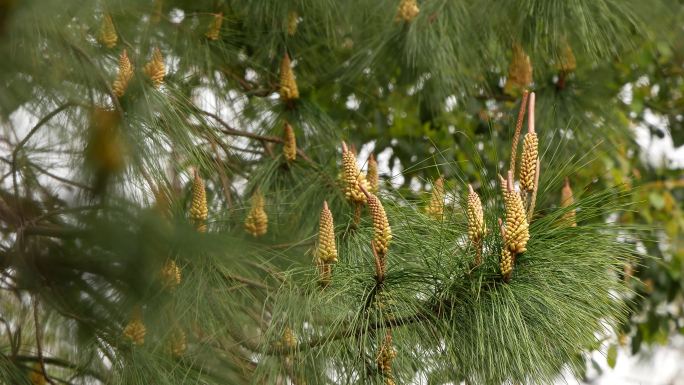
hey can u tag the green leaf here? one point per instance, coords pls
(656, 200)
(612, 356)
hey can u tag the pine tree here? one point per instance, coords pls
(177, 207)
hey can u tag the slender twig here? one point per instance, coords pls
(351, 332)
(63, 364)
(39, 344)
(247, 281)
(229, 130)
(518, 128)
(59, 178)
(38, 125)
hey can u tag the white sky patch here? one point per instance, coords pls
(626, 93)
(353, 103)
(176, 15)
(450, 103)
(658, 152)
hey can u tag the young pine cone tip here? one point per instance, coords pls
(519, 71)
(382, 233)
(354, 180)
(108, 36)
(36, 377)
(123, 76)
(171, 274)
(135, 330)
(567, 200)
(567, 61)
(214, 30)
(290, 143)
(372, 175)
(256, 222)
(288, 84)
(435, 208)
(178, 343)
(327, 251)
(476, 225)
(289, 340)
(407, 11)
(198, 208)
(517, 228)
(292, 21)
(528, 162)
(155, 68)
(385, 357)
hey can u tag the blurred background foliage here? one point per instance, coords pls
(609, 79)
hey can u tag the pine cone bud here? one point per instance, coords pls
(528, 162)
(124, 75)
(214, 30)
(36, 377)
(354, 180)
(517, 228)
(567, 62)
(290, 143)
(519, 71)
(372, 175)
(288, 84)
(256, 222)
(135, 329)
(198, 207)
(385, 357)
(107, 36)
(106, 149)
(408, 10)
(155, 68)
(178, 343)
(157, 12)
(292, 21)
(567, 200)
(382, 233)
(171, 274)
(506, 263)
(327, 251)
(476, 224)
(289, 340)
(435, 208)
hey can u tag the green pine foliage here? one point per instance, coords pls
(86, 235)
